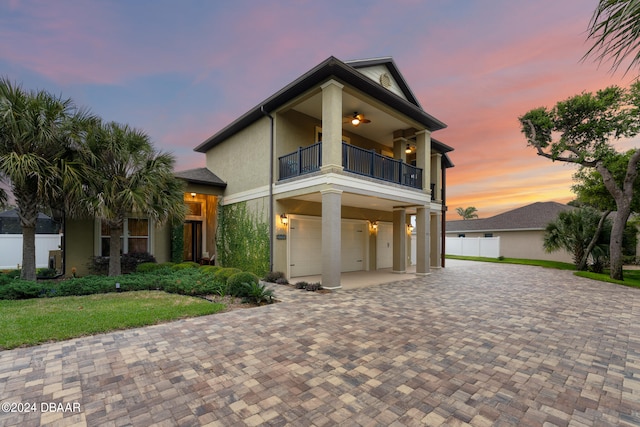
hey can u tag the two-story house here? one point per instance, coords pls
(336, 163)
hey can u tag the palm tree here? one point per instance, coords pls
(615, 27)
(129, 178)
(467, 213)
(38, 132)
(579, 232)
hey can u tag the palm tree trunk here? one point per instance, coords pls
(594, 240)
(115, 248)
(28, 253)
(28, 213)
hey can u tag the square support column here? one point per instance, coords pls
(436, 176)
(436, 241)
(423, 241)
(423, 157)
(399, 148)
(399, 240)
(331, 238)
(331, 126)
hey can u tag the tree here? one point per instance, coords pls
(615, 27)
(467, 213)
(129, 178)
(38, 133)
(581, 130)
(574, 231)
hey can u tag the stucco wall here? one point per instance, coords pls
(79, 240)
(162, 243)
(242, 161)
(523, 244)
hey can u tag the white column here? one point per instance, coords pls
(423, 241)
(436, 238)
(331, 238)
(399, 240)
(331, 126)
(423, 157)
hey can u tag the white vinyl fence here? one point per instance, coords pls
(11, 249)
(473, 246)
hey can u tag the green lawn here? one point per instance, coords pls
(631, 277)
(538, 262)
(35, 321)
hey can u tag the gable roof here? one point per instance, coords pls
(331, 67)
(535, 216)
(201, 176)
(388, 62)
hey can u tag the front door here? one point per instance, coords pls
(192, 241)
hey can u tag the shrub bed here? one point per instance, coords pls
(183, 278)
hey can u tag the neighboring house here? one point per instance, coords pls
(10, 223)
(48, 241)
(521, 230)
(335, 163)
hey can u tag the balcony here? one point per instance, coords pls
(355, 160)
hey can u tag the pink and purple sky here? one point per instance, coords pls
(182, 70)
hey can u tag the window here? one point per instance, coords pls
(488, 234)
(135, 237)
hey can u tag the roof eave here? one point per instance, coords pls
(331, 67)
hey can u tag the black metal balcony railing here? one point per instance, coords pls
(354, 159)
(370, 163)
(305, 160)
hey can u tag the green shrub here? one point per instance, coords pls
(128, 262)
(12, 274)
(235, 283)
(23, 289)
(257, 293)
(147, 267)
(313, 287)
(5, 278)
(223, 274)
(210, 269)
(274, 276)
(185, 265)
(46, 273)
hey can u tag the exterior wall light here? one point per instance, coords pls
(284, 219)
(410, 228)
(193, 195)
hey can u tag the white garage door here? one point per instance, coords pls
(305, 246)
(353, 246)
(384, 246)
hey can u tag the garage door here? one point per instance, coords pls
(305, 246)
(384, 246)
(353, 246)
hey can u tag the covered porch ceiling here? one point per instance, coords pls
(380, 129)
(361, 201)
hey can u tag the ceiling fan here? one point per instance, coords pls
(356, 119)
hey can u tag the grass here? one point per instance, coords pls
(40, 320)
(631, 277)
(538, 262)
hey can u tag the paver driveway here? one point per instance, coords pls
(474, 344)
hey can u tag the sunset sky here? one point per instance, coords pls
(182, 70)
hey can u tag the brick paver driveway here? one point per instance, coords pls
(474, 344)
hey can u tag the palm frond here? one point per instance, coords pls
(615, 29)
